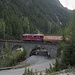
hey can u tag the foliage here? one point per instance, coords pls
(22, 16)
(71, 46)
(60, 49)
(54, 68)
(14, 57)
(26, 25)
(2, 29)
(72, 27)
(5, 50)
(28, 72)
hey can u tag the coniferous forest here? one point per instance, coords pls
(30, 16)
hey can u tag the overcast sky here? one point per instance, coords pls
(70, 4)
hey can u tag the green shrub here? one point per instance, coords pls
(28, 72)
(14, 57)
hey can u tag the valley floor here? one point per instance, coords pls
(38, 63)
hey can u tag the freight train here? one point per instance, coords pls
(42, 37)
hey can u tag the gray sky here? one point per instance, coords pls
(70, 4)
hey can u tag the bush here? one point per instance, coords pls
(13, 57)
(28, 72)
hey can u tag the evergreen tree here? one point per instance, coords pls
(68, 49)
(71, 29)
(26, 25)
(19, 29)
(2, 29)
(73, 54)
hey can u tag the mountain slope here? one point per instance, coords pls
(31, 16)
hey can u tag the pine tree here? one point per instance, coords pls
(6, 49)
(26, 25)
(2, 29)
(72, 27)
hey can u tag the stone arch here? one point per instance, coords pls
(38, 51)
(16, 46)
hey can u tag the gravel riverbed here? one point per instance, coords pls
(39, 63)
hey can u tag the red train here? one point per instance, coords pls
(42, 37)
(33, 37)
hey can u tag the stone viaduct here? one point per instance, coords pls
(50, 47)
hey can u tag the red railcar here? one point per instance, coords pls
(33, 37)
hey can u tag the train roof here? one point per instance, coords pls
(52, 35)
(33, 34)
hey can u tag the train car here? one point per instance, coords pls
(53, 38)
(33, 37)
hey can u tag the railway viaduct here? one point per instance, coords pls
(50, 47)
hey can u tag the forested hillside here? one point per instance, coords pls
(30, 16)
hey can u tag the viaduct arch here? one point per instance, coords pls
(50, 47)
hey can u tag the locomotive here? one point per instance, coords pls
(33, 37)
(42, 37)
